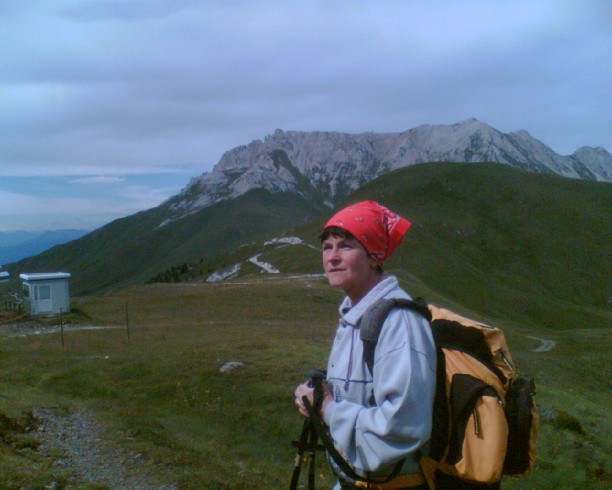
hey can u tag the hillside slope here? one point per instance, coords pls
(499, 239)
(494, 239)
(135, 248)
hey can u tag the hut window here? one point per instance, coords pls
(44, 292)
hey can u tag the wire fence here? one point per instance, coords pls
(13, 303)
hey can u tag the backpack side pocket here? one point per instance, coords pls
(479, 433)
(522, 416)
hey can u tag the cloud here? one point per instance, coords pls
(44, 203)
(115, 88)
(31, 213)
(124, 10)
(96, 180)
(146, 197)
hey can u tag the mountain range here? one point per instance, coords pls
(327, 166)
(262, 190)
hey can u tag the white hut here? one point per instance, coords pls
(46, 293)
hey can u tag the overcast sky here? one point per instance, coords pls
(109, 107)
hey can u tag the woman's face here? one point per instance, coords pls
(349, 267)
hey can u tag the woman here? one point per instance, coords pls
(392, 432)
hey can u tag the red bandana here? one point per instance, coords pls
(378, 229)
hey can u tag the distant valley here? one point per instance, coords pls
(18, 245)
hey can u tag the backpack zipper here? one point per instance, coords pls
(505, 360)
(476, 422)
(477, 418)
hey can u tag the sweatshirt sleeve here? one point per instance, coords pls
(371, 438)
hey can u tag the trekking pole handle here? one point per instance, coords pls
(316, 381)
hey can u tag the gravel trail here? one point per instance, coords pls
(89, 454)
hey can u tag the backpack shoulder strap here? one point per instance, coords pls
(372, 320)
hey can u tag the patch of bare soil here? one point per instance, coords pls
(25, 328)
(82, 448)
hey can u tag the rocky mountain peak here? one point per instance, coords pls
(326, 166)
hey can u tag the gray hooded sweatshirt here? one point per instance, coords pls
(375, 438)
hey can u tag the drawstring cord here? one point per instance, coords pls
(350, 365)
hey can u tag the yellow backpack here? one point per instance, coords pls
(484, 418)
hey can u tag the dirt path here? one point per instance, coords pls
(78, 444)
(24, 329)
(89, 453)
(545, 345)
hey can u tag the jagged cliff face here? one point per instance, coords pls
(327, 166)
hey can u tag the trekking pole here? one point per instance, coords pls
(301, 445)
(317, 383)
(309, 436)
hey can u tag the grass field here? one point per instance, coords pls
(203, 428)
(161, 394)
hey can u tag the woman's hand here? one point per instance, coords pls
(305, 389)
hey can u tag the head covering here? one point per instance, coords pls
(377, 228)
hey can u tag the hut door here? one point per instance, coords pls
(42, 295)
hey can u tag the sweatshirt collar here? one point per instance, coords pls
(351, 314)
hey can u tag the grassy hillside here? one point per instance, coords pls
(135, 248)
(501, 241)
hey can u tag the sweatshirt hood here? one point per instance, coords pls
(351, 314)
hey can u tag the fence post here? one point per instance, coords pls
(127, 322)
(62, 324)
